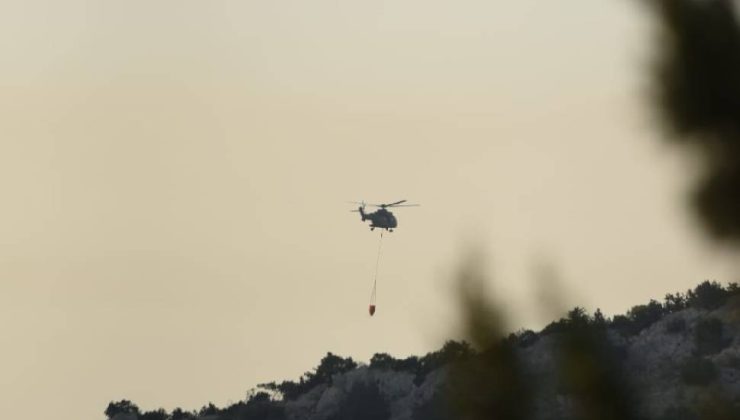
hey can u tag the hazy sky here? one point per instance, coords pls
(174, 177)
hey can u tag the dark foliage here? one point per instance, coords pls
(121, 407)
(590, 370)
(492, 383)
(599, 321)
(258, 407)
(523, 338)
(451, 352)
(435, 408)
(708, 337)
(698, 371)
(713, 409)
(638, 318)
(179, 414)
(674, 303)
(716, 408)
(208, 410)
(643, 316)
(384, 361)
(679, 413)
(159, 414)
(363, 402)
(708, 295)
(622, 324)
(330, 365)
(262, 407)
(734, 362)
(676, 326)
(698, 79)
(576, 318)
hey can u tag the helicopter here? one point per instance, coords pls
(381, 218)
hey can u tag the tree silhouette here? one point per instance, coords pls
(179, 414)
(121, 407)
(159, 414)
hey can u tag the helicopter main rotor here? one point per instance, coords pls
(383, 206)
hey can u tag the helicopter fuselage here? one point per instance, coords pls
(381, 218)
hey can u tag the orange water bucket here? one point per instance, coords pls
(371, 309)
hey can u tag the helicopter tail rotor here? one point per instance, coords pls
(360, 209)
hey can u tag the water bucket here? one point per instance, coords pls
(371, 309)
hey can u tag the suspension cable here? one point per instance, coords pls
(374, 293)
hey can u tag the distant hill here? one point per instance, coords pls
(675, 359)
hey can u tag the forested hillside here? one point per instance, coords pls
(675, 359)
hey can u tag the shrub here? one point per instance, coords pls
(363, 402)
(734, 362)
(708, 337)
(675, 326)
(435, 408)
(698, 371)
